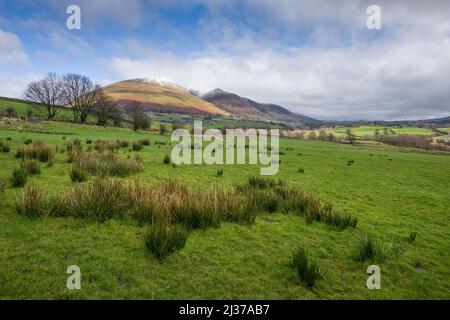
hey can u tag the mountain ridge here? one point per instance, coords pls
(246, 108)
(159, 96)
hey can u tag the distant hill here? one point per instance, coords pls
(160, 97)
(438, 122)
(248, 109)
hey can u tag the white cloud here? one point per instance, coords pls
(395, 79)
(11, 49)
(13, 87)
(63, 39)
(315, 57)
(339, 70)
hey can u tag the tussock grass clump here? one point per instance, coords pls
(77, 142)
(136, 146)
(19, 177)
(101, 200)
(6, 147)
(144, 142)
(167, 159)
(105, 163)
(340, 220)
(308, 270)
(266, 200)
(167, 202)
(37, 150)
(109, 145)
(27, 141)
(172, 202)
(220, 172)
(31, 202)
(272, 195)
(412, 236)
(3, 185)
(73, 151)
(78, 174)
(164, 239)
(31, 166)
(263, 183)
(367, 248)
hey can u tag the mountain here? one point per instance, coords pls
(248, 109)
(159, 96)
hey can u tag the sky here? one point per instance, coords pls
(313, 57)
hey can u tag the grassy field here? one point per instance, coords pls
(38, 111)
(392, 191)
(362, 131)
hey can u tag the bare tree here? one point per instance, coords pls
(81, 94)
(48, 92)
(138, 117)
(106, 108)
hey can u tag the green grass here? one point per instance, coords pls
(236, 261)
(362, 131)
(39, 112)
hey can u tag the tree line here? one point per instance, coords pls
(73, 91)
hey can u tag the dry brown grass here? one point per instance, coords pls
(37, 150)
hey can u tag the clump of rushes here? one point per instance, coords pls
(27, 141)
(105, 163)
(123, 143)
(3, 184)
(266, 200)
(301, 170)
(272, 195)
(145, 142)
(164, 239)
(412, 236)
(78, 174)
(194, 209)
(101, 200)
(19, 177)
(136, 146)
(263, 183)
(110, 145)
(31, 166)
(167, 159)
(368, 248)
(31, 202)
(308, 271)
(220, 172)
(37, 150)
(6, 147)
